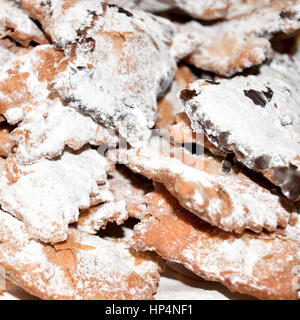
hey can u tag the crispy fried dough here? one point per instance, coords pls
(119, 61)
(216, 49)
(48, 128)
(229, 200)
(47, 195)
(263, 265)
(25, 79)
(131, 188)
(15, 24)
(230, 46)
(255, 117)
(84, 267)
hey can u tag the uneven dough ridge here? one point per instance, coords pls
(262, 265)
(255, 117)
(84, 267)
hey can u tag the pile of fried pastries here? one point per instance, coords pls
(182, 116)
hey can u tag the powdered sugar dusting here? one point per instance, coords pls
(121, 63)
(93, 268)
(234, 101)
(44, 132)
(131, 188)
(217, 49)
(15, 23)
(48, 194)
(96, 218)
(28, 77)
(261, 265)
(232, 202)
(230, 46)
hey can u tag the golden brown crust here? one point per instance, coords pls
(261, 265)
(225, 198)
(18, 26)
(83, 267)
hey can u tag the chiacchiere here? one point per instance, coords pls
(178, 115)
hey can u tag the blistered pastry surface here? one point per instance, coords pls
(262, 265)
(119, 62)
(16, 24)
(83, 267)
(231, 201)
(48, 194)
(245, 115)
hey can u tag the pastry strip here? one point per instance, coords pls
(262, 265)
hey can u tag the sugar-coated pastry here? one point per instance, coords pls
(262, 265)
(48, 194)
(256, 118)
(84, 267)
(225, 198)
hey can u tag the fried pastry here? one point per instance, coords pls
(48, 128)
(220, 50)
(95, 218)
(47, 195)
(225, 198)
(206, 10)
(119, 61)
(200, 9)
(172, 122)
(82, 85)
(228, 47)
(14, 23)
(24, 81)
(9, 49)
(229, 9)
(262, 265)
(130, 188)
(255, 117)
(83, 267)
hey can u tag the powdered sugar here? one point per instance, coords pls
(232, 104)
(94, 268)
(209, 9)
(48, 194)
(5, 54)
(121, 64)
(17, 25)
(261, 265)
(27, 77)
(96, 218)
(219, 49)
(228, 47)
(269, 19)
(232, 202)
(131, 188)
(46, 130)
